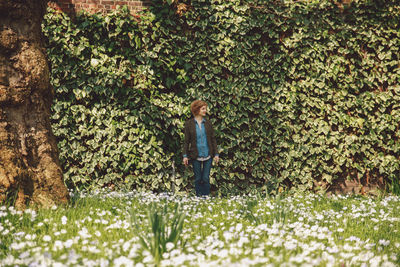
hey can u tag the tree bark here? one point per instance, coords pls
(30, 171)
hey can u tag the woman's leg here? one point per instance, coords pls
(197, 176)
(206, 176)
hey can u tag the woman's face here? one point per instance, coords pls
(203, 111)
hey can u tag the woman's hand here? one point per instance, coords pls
(216, 159)
(186, 161)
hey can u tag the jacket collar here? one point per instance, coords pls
(204, 120)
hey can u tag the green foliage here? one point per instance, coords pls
(278, 214)
(115, 123)
(299, 91)
(394, 186)
(163, 229)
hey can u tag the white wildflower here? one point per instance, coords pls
(64, 220)
(68, 243)
(18, 246)
(290, 245)
(126, 246)
(223, 253)
(227, 235)
(84, 233)
(24, 255)
(384, 242)
(170, 246)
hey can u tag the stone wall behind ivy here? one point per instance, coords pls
(73, 7)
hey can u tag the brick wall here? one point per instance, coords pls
(97, 6)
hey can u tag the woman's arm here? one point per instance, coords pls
(186, 145)
(214, 144)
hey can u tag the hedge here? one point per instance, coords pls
(303, 94)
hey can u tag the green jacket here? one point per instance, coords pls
(190, 146)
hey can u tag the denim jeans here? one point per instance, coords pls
(201, 171)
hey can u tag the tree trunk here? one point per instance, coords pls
(30, 171)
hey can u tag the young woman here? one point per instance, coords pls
(200, 147)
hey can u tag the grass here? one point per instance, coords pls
(164, 235)
(126, 229)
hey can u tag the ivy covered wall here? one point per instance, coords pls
(302, 94)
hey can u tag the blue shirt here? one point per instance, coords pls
(201, 140)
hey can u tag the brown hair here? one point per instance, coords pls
(196, 106)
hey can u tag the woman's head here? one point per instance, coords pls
(197, 106)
